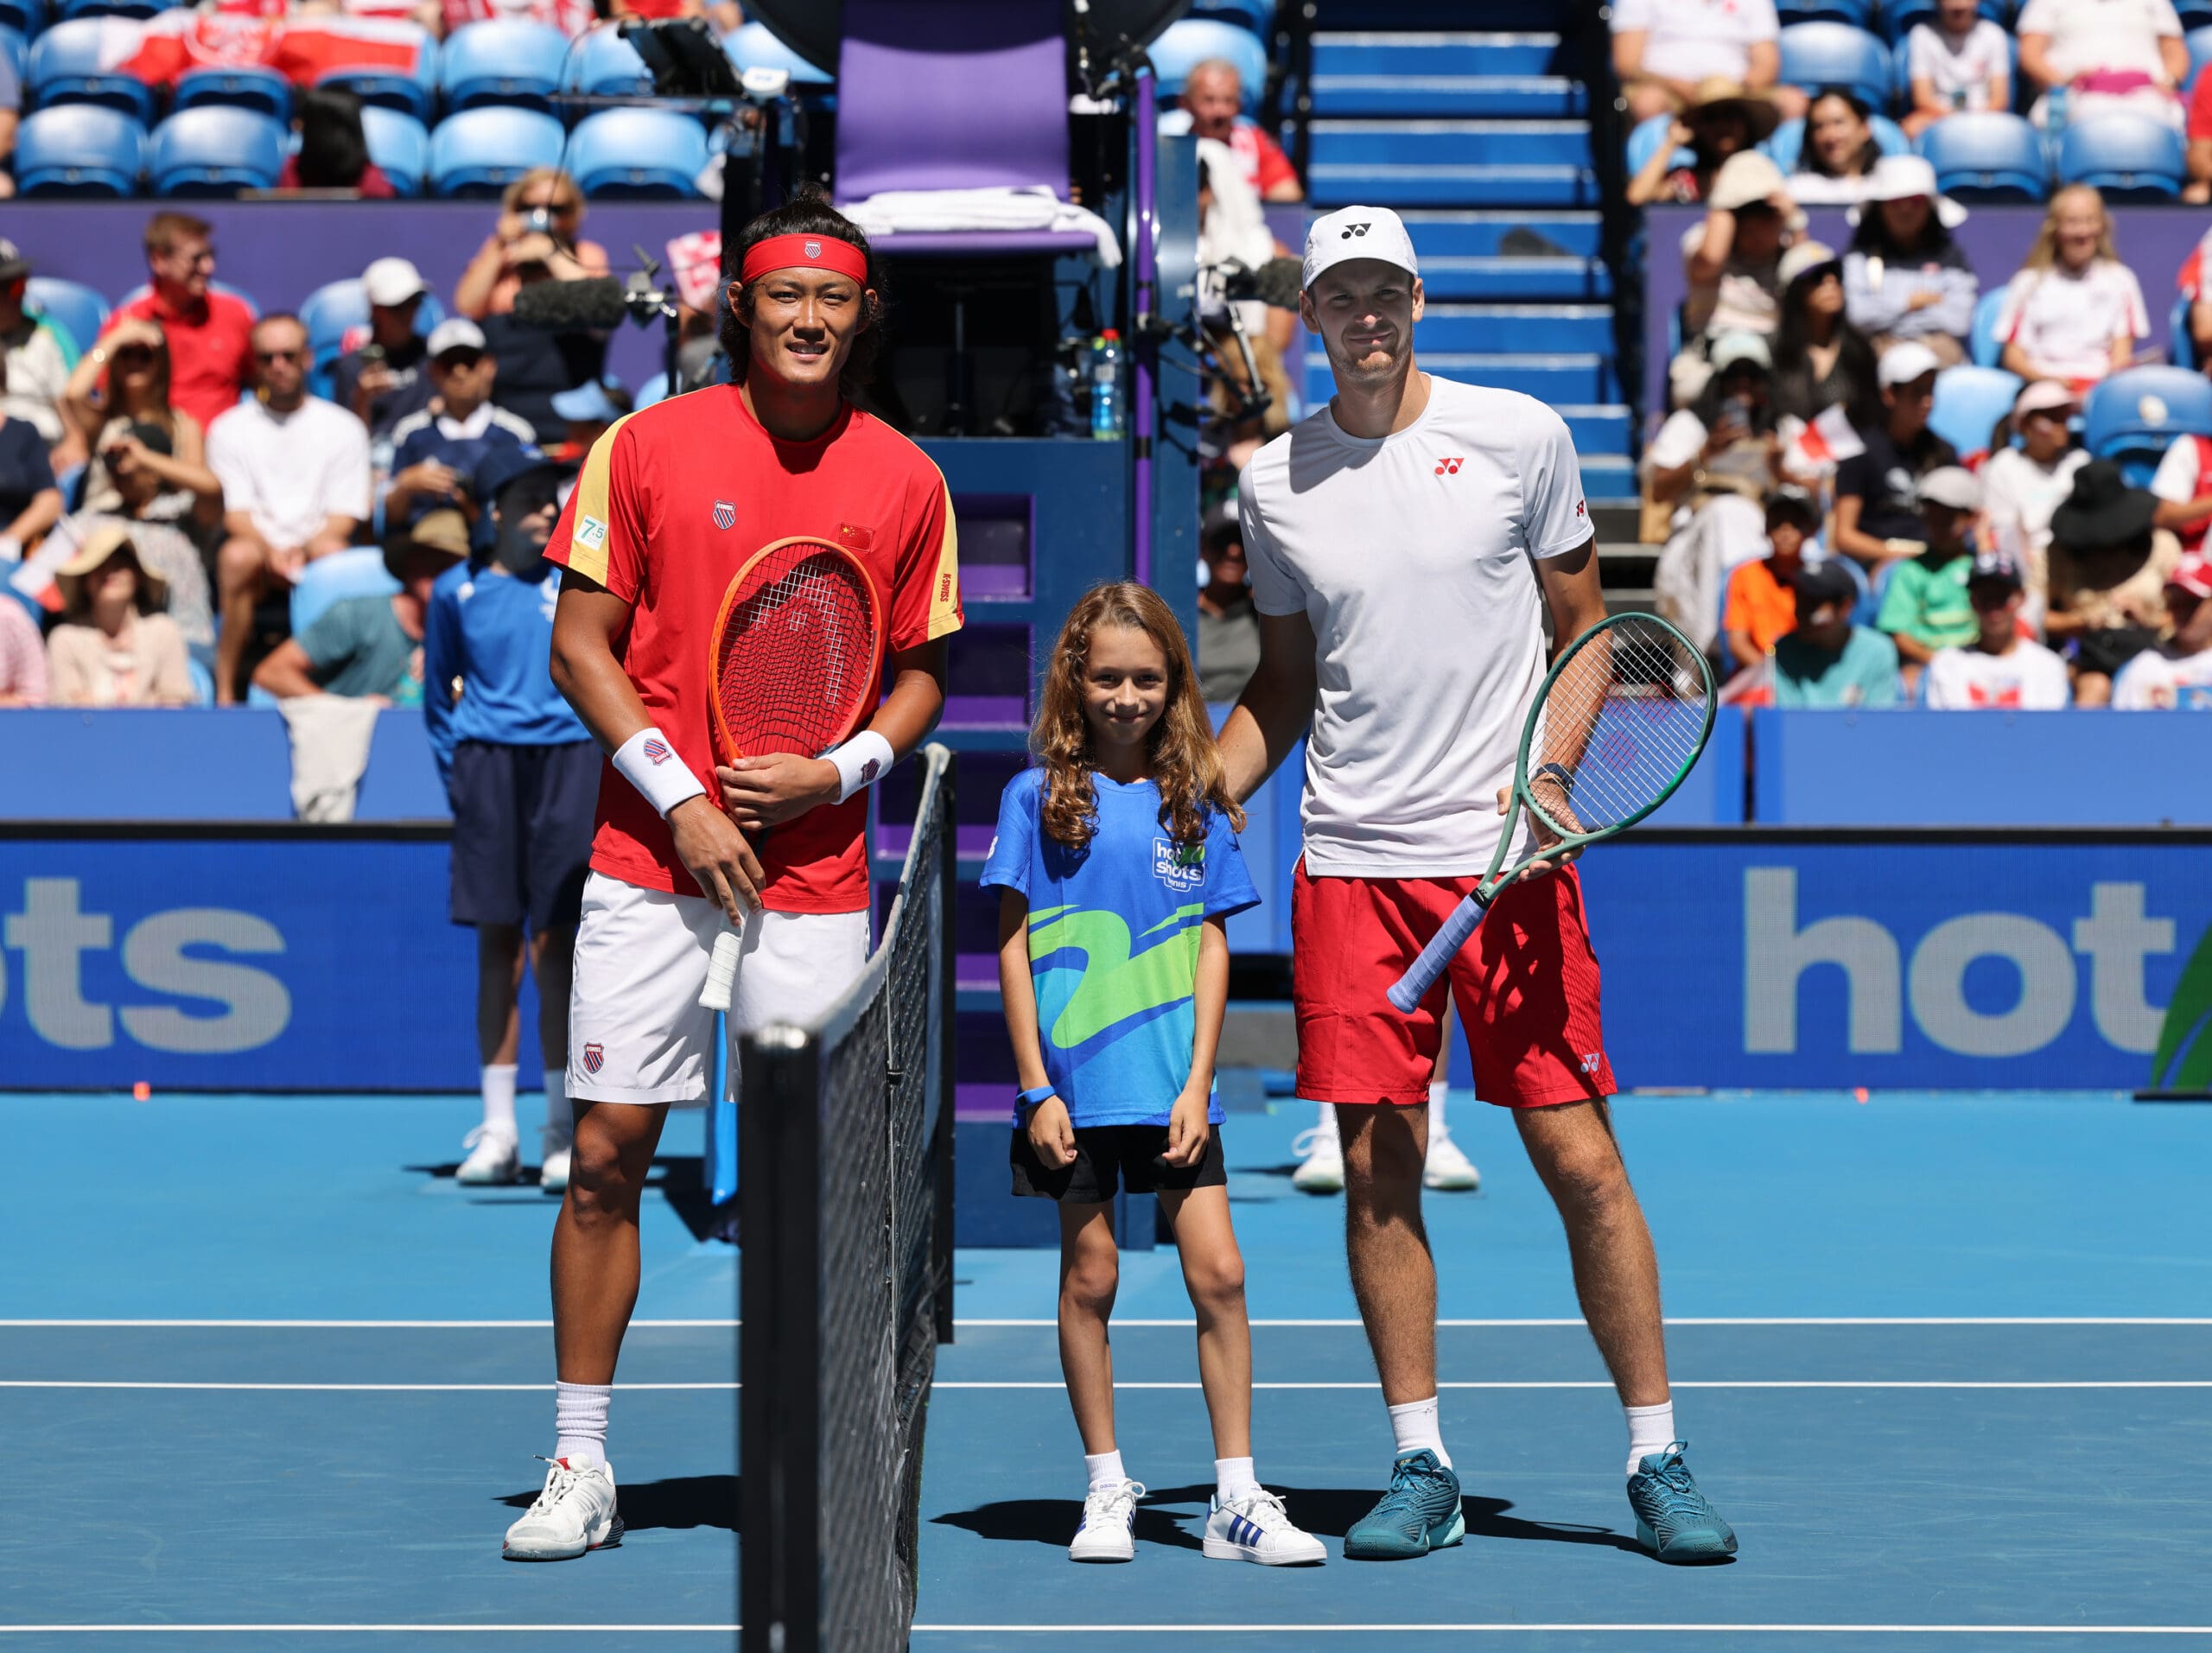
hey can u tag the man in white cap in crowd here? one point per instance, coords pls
(383, 379)
(2000, 669)
(1878, 491)
(1404, 544)
(435, 451)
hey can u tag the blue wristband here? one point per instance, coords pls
(1030, 1098)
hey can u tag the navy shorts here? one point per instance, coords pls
(1107, 1156)
(522, 831)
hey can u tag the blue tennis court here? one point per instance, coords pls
(273, 1379)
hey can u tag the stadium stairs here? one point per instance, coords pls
(1483, 140)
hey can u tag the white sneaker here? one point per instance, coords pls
(1448, 1168)
(1258, 1528)
(1320, 1162)
(494, 1155)
(553, 1175)
(574, 1513)
(1108, 1530)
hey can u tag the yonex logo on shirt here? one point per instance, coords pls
(1448, 467)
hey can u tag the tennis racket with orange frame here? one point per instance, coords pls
(796, 665)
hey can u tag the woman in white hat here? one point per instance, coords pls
(1904, 276)
(1732, 260)
(114, 647)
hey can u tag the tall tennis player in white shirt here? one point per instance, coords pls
(1401, 541)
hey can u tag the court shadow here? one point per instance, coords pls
(525, 1183)
(680, 1501)
(682, 1183)
(1053, 1521)
(1330, 1511)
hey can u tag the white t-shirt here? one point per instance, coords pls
(2067, 322)
(2179, 478)
(292, 471)
(1410, 555)
(1961, 77)
(1689, 40)
(2088, 35)
(2151, 682)
(2020, 494)
(2029, 679)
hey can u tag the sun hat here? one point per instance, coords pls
(2103, 513)
(97, 547)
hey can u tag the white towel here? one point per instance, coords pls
(1030, 207)
(330, 753)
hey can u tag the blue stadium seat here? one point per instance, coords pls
(1987, 158)
(753, 46)
(26, 17)
(64, 68)
(2134, 416)
(638, 154)
(328, 579)
(262, 90)
(604, 65)
(75, 305)
(1190, 42)
(2181, 344)
(1258, 16)
(2127, 157)
(215, 150)
(1786, 143)
(2200, 52)
(2193, 14)
(336, 314)
(114, 8)
(518, 64)
(1898, 16)
(479, 152)
(1982, 343)
(400, 145)
(79, 149)
(1836, 55)
(413, 93)
(1859, 14)
(1647, 137)
(1969, 401)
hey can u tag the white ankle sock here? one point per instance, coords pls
(560, 1118)
(1650, 1429)
(1104, 1469)
(1415, 1426)
(580, 1420)
(498, 1083)
(1326, 1124)
(1232, 1480)
(1438, 1090)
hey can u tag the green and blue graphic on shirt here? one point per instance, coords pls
(1114, 944)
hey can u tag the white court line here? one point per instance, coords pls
(358, 1325)
(372, 1629)
(344, 1388)
(528, 1325)
(1055, 1386)
(1635, 1630)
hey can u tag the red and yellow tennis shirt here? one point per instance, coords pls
(672, 501)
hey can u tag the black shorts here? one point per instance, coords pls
(522, 831)
(1103, 1153)
(2106, 651)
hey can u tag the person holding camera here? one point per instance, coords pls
(536, 239)
(115, 391)
(386, 380)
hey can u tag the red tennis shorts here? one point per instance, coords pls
(1526, 986)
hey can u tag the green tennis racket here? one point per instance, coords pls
(1618, 721)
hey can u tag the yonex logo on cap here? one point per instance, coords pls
(1353, 229)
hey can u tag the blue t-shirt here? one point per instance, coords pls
(1114, 944)
(493, 632)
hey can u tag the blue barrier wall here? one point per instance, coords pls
(321, 959)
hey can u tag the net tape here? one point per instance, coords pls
(1624, 717)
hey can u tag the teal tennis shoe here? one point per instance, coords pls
(1672, 1520)
(1419, 1513)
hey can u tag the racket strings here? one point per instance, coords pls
(796, 653)
(1625, 715)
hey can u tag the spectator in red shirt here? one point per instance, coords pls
(209, 334)
(1213, 93)
(334, 151)
(2198, 190)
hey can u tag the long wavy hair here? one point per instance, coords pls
(1186, 763)
(2043, 255)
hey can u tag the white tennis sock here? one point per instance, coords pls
(1650, 1429)
(1438, 1090)
(1326, 1124)
(1415, 1426)
(1104, 1469)
(1232, 1480)
(560, 1118)
(498, 1083)
(580, 1420)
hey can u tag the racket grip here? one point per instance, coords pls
(721, 972)
(1435, 958)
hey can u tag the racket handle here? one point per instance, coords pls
(721, 972)
(1435, 958)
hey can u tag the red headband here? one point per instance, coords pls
(814, 252)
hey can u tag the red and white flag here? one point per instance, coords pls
(1829, 440)
(163, 50)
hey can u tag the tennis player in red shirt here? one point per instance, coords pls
(670, 504)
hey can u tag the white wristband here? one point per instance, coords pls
(649, 763)
(861, 762)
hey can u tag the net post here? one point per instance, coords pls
(779, 1417)
(942, 1144)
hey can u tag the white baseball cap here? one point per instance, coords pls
(455, 333)
(1357, 232)
(1952, 485)
(390, 282)
(1901, 364)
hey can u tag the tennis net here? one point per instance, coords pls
(846, 1276)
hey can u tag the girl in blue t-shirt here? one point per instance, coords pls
(1116, 863)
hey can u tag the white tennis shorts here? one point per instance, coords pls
(636, 1031)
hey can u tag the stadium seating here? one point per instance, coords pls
(2127, 157)
(332, 579)
(17, 54)
(263, 89)
(415, 93)
(1258, 16)
(604, 65)
(1969, 401)
(26, 17)
(1836, 55)
(114, 8)
(1898, 17)
(1787, 145)
(1987, 157)
(638, 154)
(1190, 42)
(75, 305)
(753, 46)
(64, 68)
(1646, 136)
(2181, 344)
(400, 145)
(478, 152)
(215, 150)
(519, 64)
(2134, 416)
(79, 149)
(1857, 13)
(1982, 344)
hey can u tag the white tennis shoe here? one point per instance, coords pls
(1320, 1161)
(573, 1514)
(555, 1147)
(1108, 1530)
(1258, 1528)
(494, 1155)
(1446, 1167)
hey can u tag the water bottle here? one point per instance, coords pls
(1108, 417)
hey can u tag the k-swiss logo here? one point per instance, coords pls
(657, 750)
(1351, 230)
(869, 771)
(593, 1058)
(1449, 467)
(725, 515)
(814, 249)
